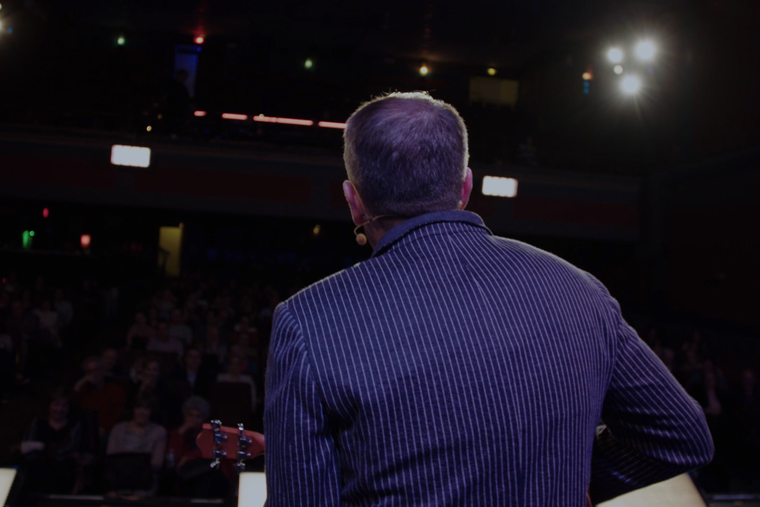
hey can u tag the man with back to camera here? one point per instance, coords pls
(455, 367)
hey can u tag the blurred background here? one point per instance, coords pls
(171, 171)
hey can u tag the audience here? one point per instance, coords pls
(163, 342)
(51, 449)
(193, 370)
(140, 436)
(95, 392)
(235, 374)
(140, 333)
(178, 330)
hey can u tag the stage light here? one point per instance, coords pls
(130, 156)
(645, 50)
(630, 85)
(85, 240)
(31, 234)
(121, 40)
(287, 121)
(148, 128)
(615, 55)
(45, 212)
(26, 240)
(491, 71)
(618, 69)
(200, 39)
(332, 125)
(1, 7)
(424, 70)
(199, 113)
(308, 63)
(316, 230)
(234, 116)
(587, 76)
(499, 187)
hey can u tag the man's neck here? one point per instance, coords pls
(377, 229)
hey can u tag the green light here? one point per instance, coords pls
(31, 234)
(308, 63)
(121, 40)
(26, 240)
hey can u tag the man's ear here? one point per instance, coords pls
(466, 189)
(358, 213)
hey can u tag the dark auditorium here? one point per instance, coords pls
(375, 254)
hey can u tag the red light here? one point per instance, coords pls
(199, 113)
(332, 125)
(293, 121)
(45, 213)
(286, 121)
(200, 39)
(233, 116)
(85, 240)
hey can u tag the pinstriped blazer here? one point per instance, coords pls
(457, 368)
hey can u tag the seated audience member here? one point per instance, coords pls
(195, 478)
(110, 359)
(248, 356)
(192, 370)
(7, 364)
(235, 374)
(63, 307)
(47, 318)
(214, 344)
(140, 333)
(51, 448)
(95, 392)
(151, 383)
(140, 436)
(244, 332)
(162, 342)
(178, 329)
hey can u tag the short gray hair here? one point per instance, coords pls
(406, 153)
(197, 403)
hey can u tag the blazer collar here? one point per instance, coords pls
(398, 233)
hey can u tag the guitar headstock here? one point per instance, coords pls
(219, 442)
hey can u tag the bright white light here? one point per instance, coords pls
(253, 489)
(6, 481)
(423, 70)
(615, 55)
(131, 156)
(645, 50)
(618, 69)
(308, 63)
(500, 187)
(630, 85)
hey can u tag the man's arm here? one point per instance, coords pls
(302, 466)
(654, 430)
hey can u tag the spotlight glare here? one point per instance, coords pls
(618, 69)
(491, 71)
(630, 85)
(308, 63)
(200, 39)
(148, 128)
(121, 40)
(615, 55)
(587, 76)
(645, 50)
(423, 70)
(499, 187)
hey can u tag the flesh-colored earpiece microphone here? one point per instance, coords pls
(361, 238)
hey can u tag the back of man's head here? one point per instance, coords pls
(406, 153)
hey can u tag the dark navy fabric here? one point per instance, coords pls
(458, 368)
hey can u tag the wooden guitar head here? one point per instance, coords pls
(219, 442)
